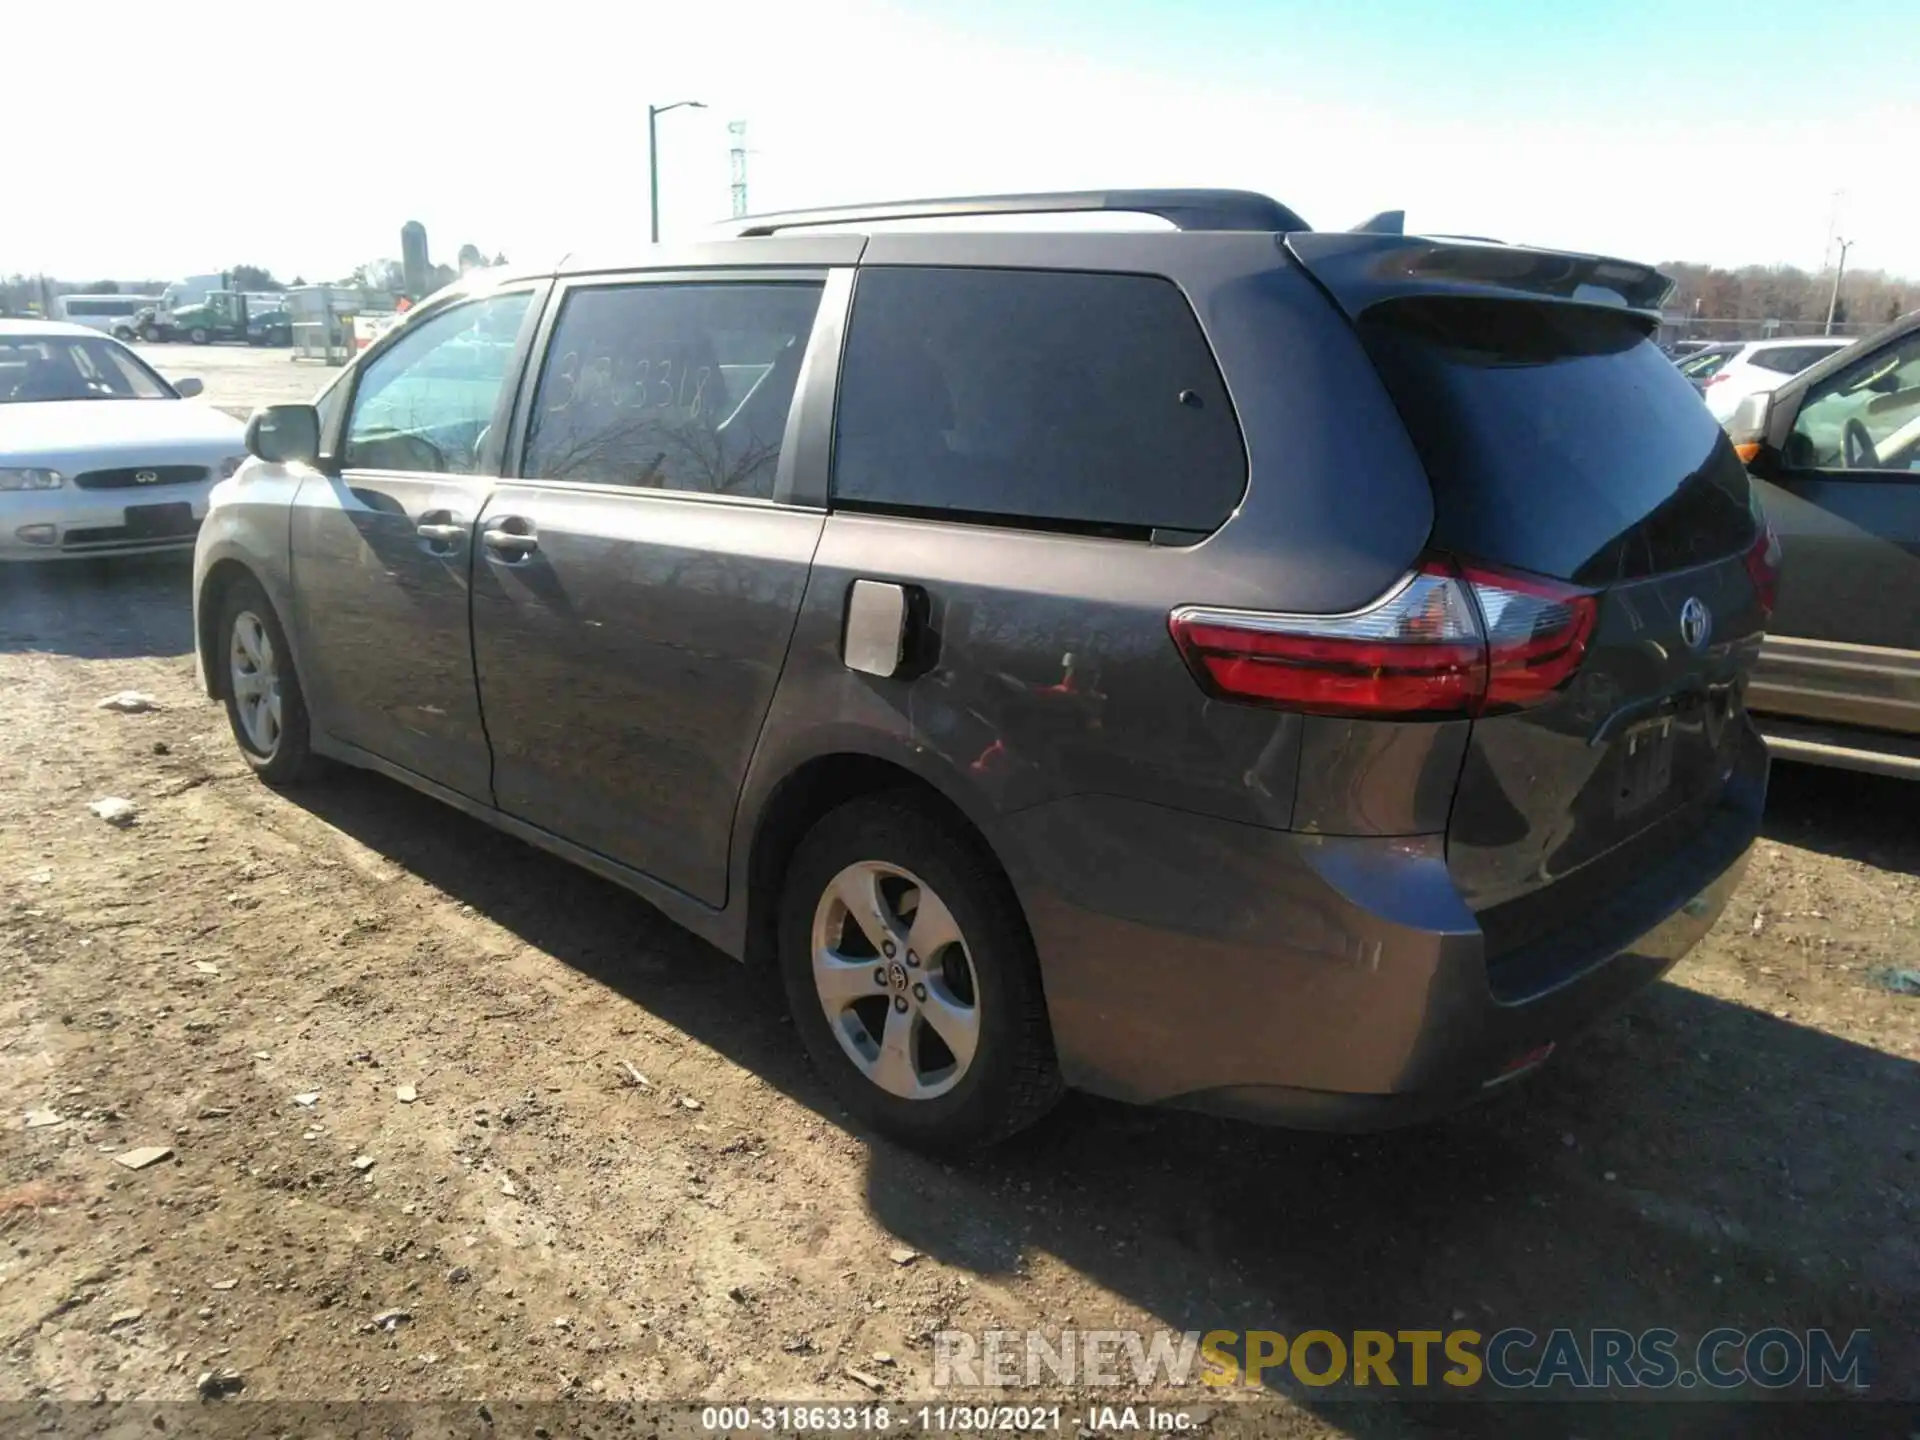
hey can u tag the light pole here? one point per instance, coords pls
(1833, 301)
(654, 112)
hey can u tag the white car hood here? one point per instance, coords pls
(64, 433)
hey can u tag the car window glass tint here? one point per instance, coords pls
(1790, 359)
(1088, 400)
(1867, 417)
(676, 387)
(427, 403)
(1559, 440)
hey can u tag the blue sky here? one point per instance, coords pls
(1677, 131)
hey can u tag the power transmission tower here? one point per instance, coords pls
(737, 164)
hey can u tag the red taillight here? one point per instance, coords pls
(1537, 633)
(1446, 641)
(1763, 566)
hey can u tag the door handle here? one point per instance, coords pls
(511, 538)
(440, 532)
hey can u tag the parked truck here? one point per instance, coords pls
(224, 315)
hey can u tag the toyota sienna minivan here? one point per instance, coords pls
(1288, 674)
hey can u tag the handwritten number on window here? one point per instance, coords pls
(649, 384)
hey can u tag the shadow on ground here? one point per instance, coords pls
(98, 609)
(1867, 818)
(1690, 1164)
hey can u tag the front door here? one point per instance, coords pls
(382, 547)
(1846, 503)
(634, 594)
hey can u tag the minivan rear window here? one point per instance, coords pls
(1559, 439)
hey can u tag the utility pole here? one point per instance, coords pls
(654, 112)
(1833, 301)
(737, 165)
(1833, 223)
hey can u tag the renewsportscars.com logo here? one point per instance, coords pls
(1562, 1361)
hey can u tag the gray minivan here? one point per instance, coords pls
(1294, 675)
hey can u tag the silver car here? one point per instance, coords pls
(98, 454)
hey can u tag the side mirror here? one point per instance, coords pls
(285, 435)
(188, 386)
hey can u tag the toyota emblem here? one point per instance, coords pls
(146, 477)
(1696, 623)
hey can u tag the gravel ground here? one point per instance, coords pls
(239, 378)
(393, 1056)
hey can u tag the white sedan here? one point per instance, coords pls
(98, 454)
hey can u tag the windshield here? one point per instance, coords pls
(71, 367)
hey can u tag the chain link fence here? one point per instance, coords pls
(1727, 331)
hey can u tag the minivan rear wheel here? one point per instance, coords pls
(911, 977)
(265, 706)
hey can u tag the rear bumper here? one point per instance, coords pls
(1325, 982)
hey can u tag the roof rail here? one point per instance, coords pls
(1185, 209)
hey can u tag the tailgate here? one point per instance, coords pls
(1561, 443)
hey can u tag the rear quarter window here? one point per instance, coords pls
(1790, 359)
(1056, 399)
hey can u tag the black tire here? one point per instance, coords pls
(1013, 1078)
(198, 337)
(290, 759)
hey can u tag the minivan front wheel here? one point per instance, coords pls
(911, 977)
(265, 706)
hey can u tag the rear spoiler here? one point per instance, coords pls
(1363, 270)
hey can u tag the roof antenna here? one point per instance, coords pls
(1387, 222)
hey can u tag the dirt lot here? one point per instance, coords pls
(240, 377)
(261, 981)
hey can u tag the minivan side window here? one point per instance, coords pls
(1867, 417)
(671, 386)
(1057, 399)
(426, 403)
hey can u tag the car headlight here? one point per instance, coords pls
(30, 479)
(231, 464)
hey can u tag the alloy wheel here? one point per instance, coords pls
(895, 978)
(255, 675)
